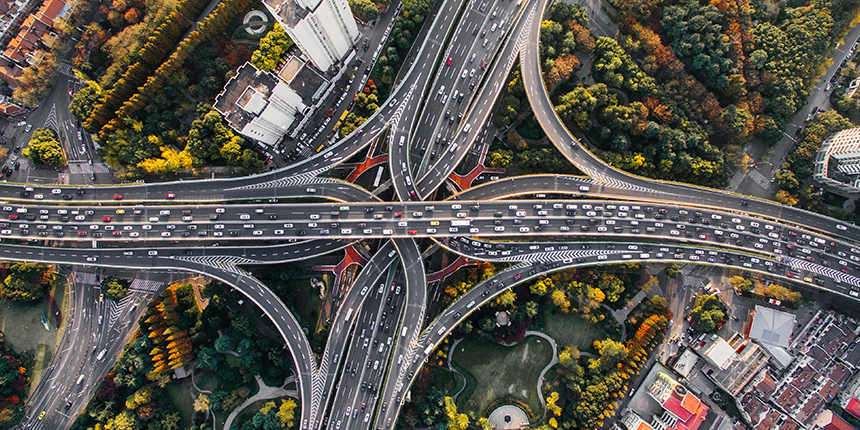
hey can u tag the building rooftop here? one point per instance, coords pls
(308, 82)
(771, 326)
(718, 352)
(827, 420)
(853, 407)
(236, 95)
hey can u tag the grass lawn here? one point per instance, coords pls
(181, 398)
(502, 371)
(23, 329)
(573, 330)
(253, 408)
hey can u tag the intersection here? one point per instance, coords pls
(607, 217)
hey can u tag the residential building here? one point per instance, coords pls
(263, 106)
(324, 30)
(681, 410)
(837, 163)
(827, 420)
(732, 364)
(35, 34)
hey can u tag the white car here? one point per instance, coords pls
(499, 228)
(258, 232)
(313, 216)
(134, 234)
(56, 191)
(219, 210)
(38, 196)
(165, 234)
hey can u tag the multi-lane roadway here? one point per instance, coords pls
(377, 343)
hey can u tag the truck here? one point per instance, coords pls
(80, 379)
(101, 354)
(348, 314)
(461, 223)
(428, 349)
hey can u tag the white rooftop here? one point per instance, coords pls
(772, 327)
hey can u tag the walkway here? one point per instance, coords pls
(552, 362)
(266, 392)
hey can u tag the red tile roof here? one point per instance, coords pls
(853, 407)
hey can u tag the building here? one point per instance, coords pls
(837, 163)
(262, 106)
(827, 420)
(771, 326)
(732, 364)
(681, 410)
(34, 35)
(324, 30)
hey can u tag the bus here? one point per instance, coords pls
(343, 115)
(348, 314)
(461, 223)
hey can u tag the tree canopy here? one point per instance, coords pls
(44, 148)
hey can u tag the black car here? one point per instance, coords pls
(67, 196)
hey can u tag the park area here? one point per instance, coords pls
(496, 372)
(573, 330)
(21, 325)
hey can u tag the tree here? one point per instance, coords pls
(44, 148)
(85, 100)
(456, 421)
(560, 300)
(28, 282)
(364, 10)
(286, 413)
(541, 287)
(500, 159)
(115, 288)
(551, 403)
(707, 313)
(506, 299)
(740, 283)
(611, 353)
(273, 46)
(201, 403)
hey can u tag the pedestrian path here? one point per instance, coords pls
(145, 285)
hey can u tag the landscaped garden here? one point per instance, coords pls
(502, 372)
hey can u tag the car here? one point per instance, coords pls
(413, 232)
(134, 234)
(106, 219)
(117, 196)
(484, 65)
(80, 192)
(28, 128)
(56, 191)
(42, 415)
(170, 196)
(518, 276)
(448, 63)
(38, 196)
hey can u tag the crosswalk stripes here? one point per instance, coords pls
(66, 69)
(735, 181)
(760, 179)
(145, 285)
(621, 185)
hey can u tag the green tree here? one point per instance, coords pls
(44, 148)
(707, 313)
(364, 10)
(85, 100)
(115, 288)
(273, 46)
(741, 284)
(500, 159)
(456, 421)
(27, 282)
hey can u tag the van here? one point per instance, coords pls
(403, 332)
(402, 140)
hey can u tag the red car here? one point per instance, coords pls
(413, 232)
(170, 195)
(117, 196)
(398, 214)
(82, 233)
(448, 63)
(13, 217)
(105, 219)
(484, 66)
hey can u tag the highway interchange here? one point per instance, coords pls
(377, 343)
